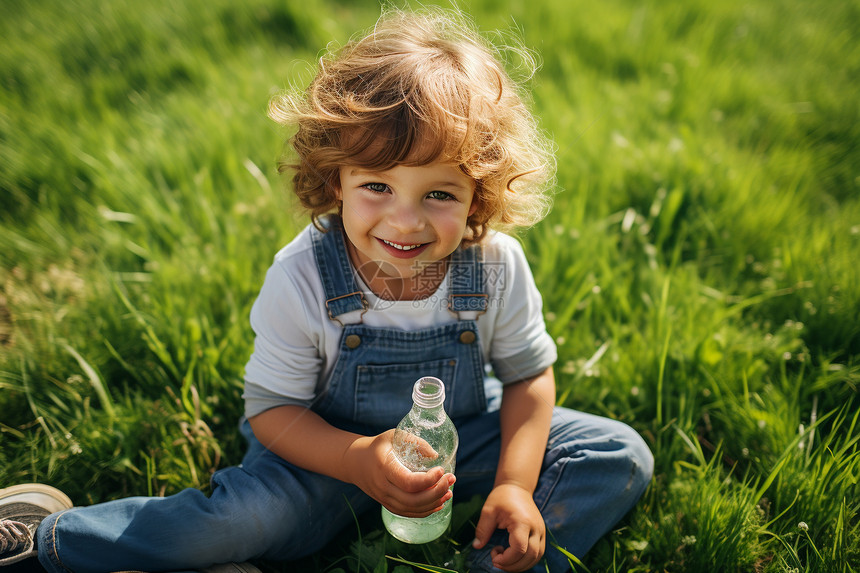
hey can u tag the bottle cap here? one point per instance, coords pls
(428, 392)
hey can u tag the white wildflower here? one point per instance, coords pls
(675, 145)
(619, 140)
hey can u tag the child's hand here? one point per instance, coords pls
(380, 475)
(511, 507)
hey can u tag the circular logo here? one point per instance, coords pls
(383, 280)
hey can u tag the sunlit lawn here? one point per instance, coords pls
(699, 269)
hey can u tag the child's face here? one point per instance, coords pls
(402, 219)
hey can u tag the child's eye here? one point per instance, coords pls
(376, 187)
(441, 196)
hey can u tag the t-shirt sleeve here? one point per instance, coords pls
(285, 365)
(521, 346)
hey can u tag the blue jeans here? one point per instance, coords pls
(594, 471)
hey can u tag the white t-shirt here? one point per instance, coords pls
(296, 344)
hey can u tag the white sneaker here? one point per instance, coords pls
(22, 508)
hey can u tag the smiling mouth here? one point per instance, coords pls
(400, 247)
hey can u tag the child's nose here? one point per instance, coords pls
(406, 218)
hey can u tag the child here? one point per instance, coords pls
(413, 148)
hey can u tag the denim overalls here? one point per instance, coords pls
(371, 383)
(594, 469)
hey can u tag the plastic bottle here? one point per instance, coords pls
(424, 438)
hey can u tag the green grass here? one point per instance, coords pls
(699, 269)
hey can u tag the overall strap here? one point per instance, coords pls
(468, 294)
(341, 291)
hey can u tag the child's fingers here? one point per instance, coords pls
(524, 550)
(487, 525)
(413, 445)
(422, 503)
(401, 477)
(414, 494)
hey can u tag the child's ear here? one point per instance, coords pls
(473, 207)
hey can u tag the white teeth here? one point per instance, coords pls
(401, 247)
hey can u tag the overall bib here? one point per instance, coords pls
(594, 469)
(371, 383)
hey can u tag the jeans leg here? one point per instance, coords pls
(594, 471)
(263, 508)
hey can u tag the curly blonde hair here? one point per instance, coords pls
(420, 87)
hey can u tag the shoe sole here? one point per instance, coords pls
(37, 494)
